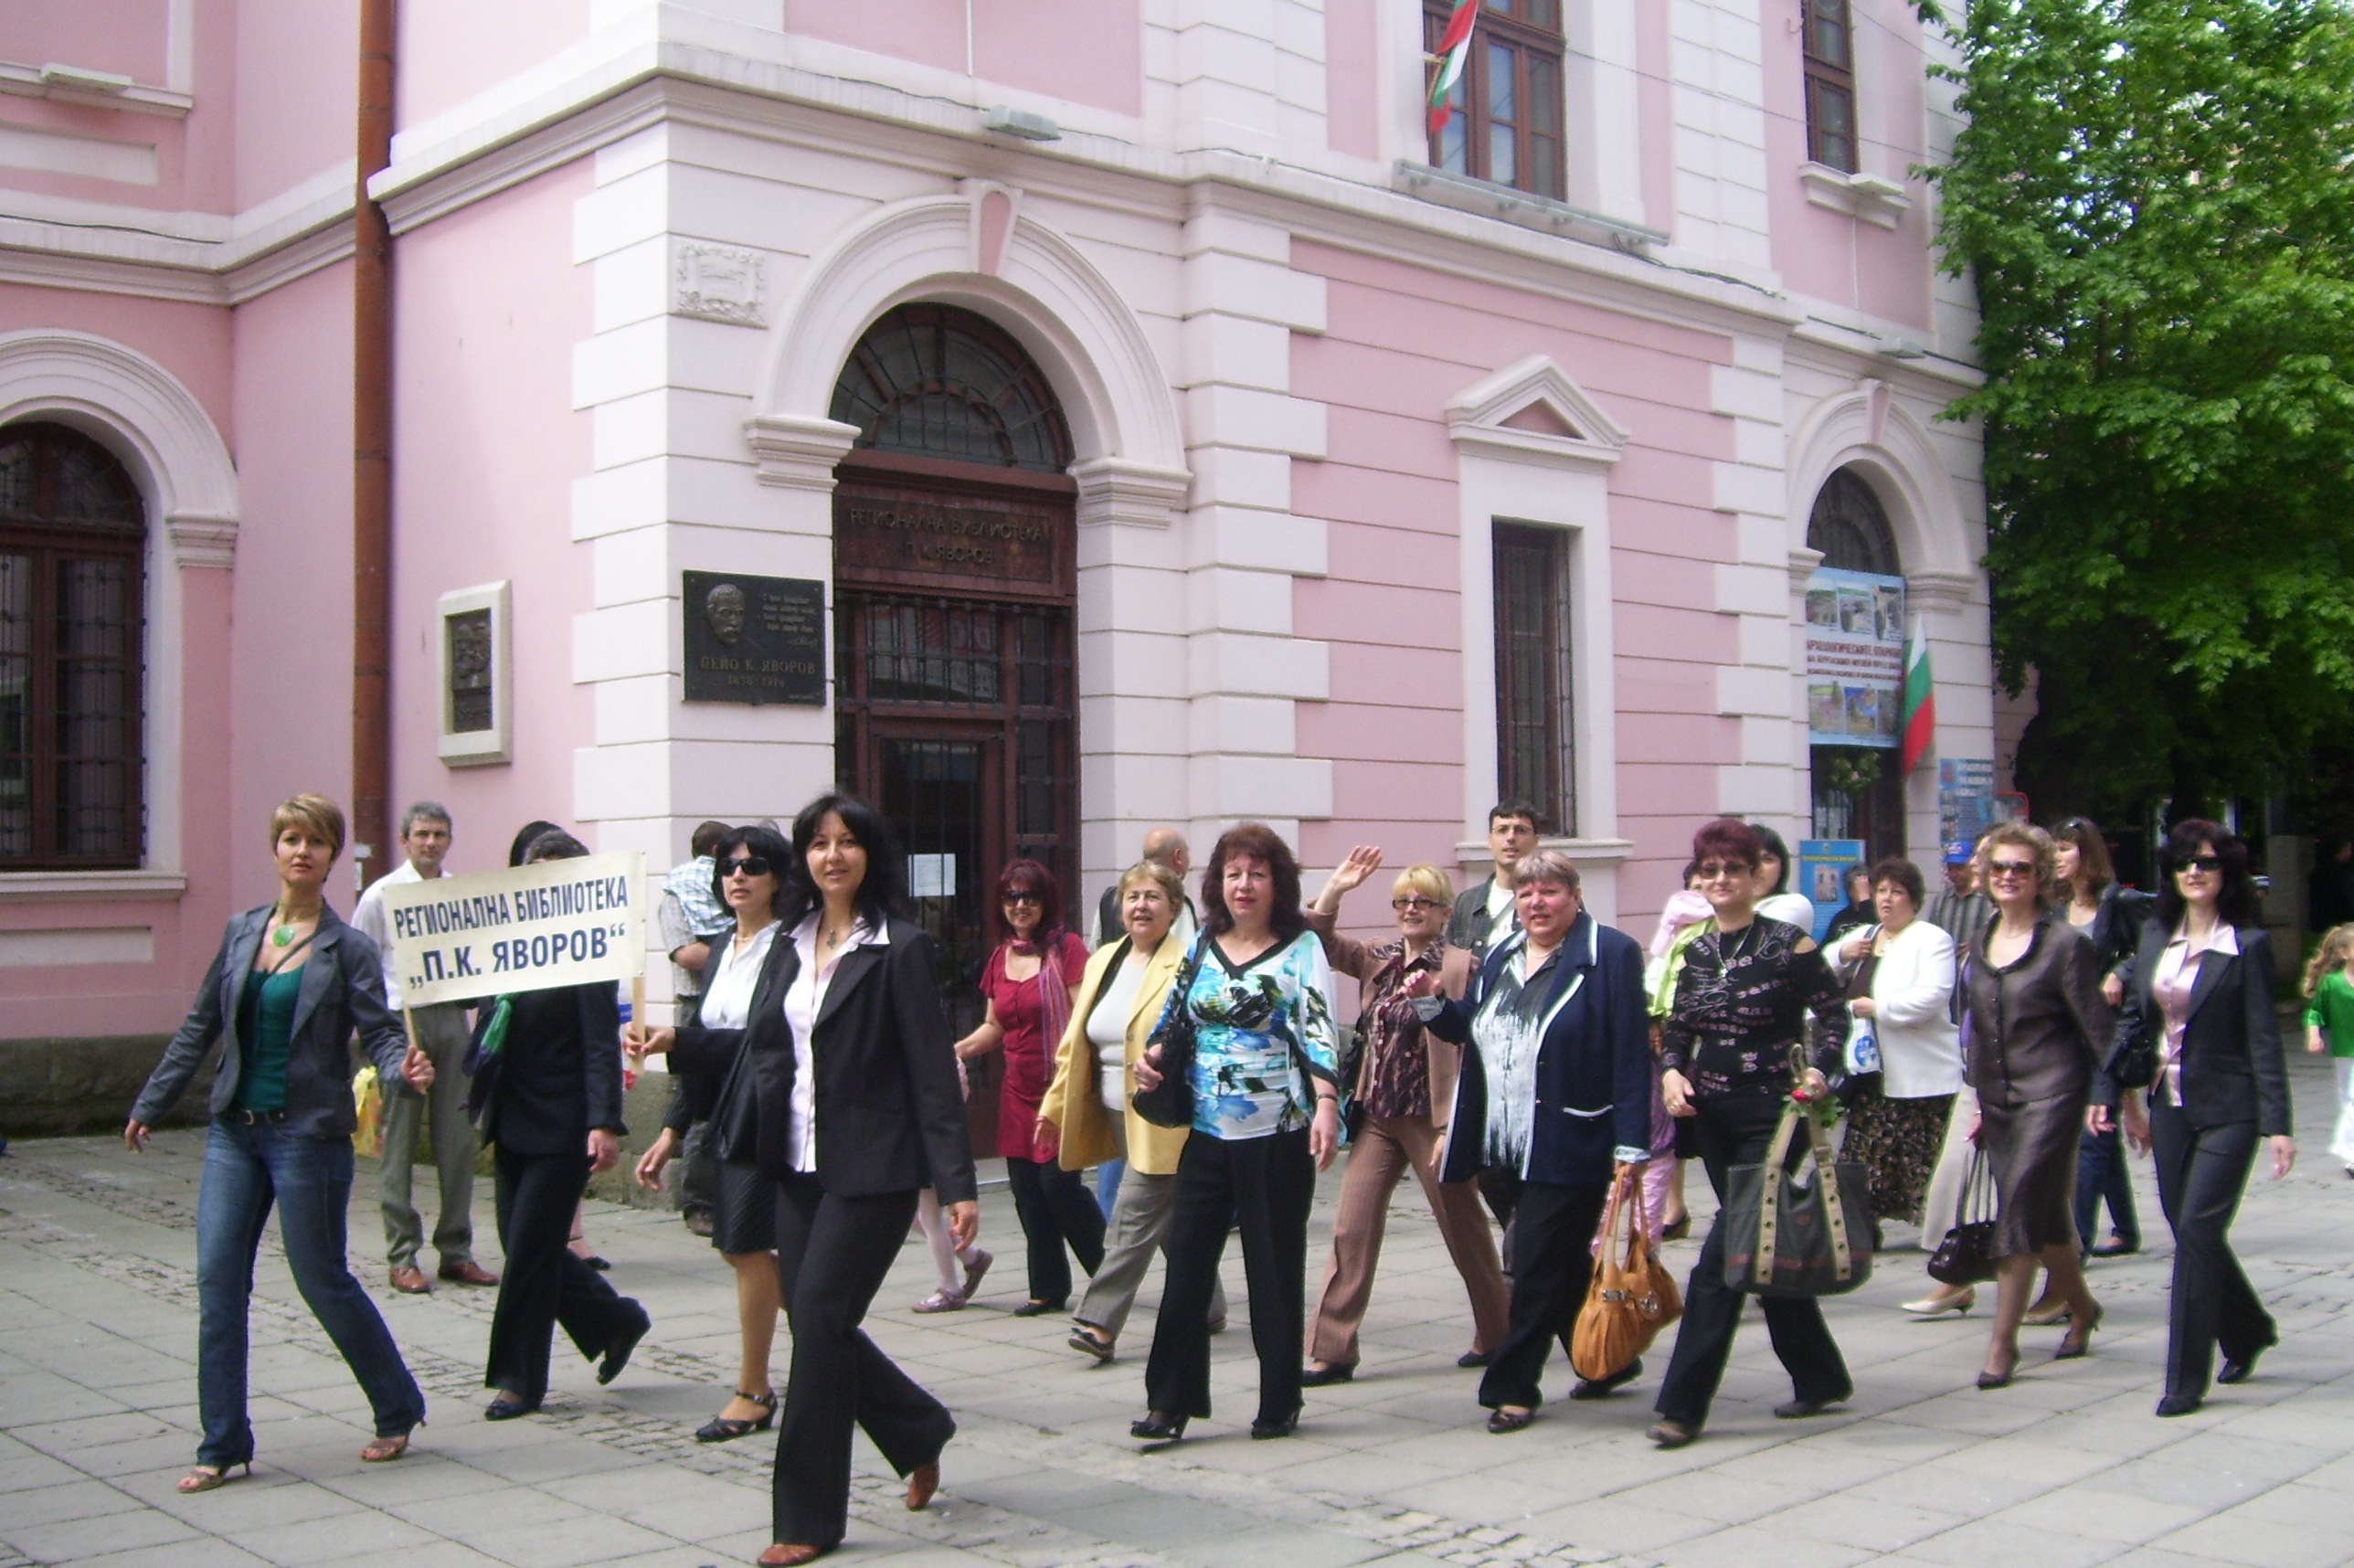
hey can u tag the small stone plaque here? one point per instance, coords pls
(754, 640)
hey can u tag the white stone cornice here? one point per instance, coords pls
(201, 541)
(1112, 490)
(1803, 563)
(1930, 589)
(498, 164)
(795, 452)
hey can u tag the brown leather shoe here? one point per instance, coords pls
(410, 1280)
(468, 1274)
(922, 1482)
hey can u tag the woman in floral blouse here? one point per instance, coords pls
(1727, 1053)
(1266, 1119)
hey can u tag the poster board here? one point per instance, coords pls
(1855, 657)
(1821, 862)
(530, 927)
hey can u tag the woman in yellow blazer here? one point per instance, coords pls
(1113, 1010)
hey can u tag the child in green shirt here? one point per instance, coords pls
(2329, 1024)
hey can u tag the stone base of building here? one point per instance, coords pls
(68, 1085)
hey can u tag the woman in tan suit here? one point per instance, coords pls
(1113, 1009)
(1400, 1082)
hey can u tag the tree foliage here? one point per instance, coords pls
(2155, 201)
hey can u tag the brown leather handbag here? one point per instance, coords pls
(1630, 1296)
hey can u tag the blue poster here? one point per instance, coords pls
(1822, 875)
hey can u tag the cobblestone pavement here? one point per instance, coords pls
(2067, 1466)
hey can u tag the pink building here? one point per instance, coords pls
(1066, 417)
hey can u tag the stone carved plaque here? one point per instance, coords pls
(716, 283)
(754, 640)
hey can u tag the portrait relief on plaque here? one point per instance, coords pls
(753, 639)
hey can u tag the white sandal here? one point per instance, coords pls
(941, 1300)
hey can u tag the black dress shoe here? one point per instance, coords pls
(1597, 1387)
(1503, 1422)
(1040, 1309)
(617, 1354)
(1669, 1433)
(1341, 1373)
(1263, 1430)
(2179, 1404)
(1475, 1359)
(506, 1407)
(2240, 1372)
(1800, 1409)
(2117, 1249)
(1158, 1427)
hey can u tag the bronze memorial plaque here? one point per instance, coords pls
(754, 640)
(918, 538)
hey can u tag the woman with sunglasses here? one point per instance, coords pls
(2201, 1000)
(1732, 1053)
(1399, 1081)
(748, 876)
(1027, 983)
(2038, 1027)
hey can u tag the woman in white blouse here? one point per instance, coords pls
(1114, 1007)
(1900, 985)
(747, 874)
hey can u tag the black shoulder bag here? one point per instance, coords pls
(1169, 1103)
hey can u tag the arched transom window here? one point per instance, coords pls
(1850, 529)
(937, 381)
(72, 532)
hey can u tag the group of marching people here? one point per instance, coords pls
(1515, 1051)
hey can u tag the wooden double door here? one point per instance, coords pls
(955, 706)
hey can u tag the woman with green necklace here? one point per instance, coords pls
(286, 992)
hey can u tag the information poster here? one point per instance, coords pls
(1855, 657)
(1822, 867)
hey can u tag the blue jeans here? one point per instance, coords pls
(2101, 1174)
(247, 1168)
(1108, 1178)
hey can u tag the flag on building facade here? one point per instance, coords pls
(1454, 49)
(1920, 697)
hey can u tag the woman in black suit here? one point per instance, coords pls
(551, 1103)
(2201, 999)
(855, 1109)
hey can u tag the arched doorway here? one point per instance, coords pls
(955, 581)
(1857, 595)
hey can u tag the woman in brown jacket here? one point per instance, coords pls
(2037, 1027)
(1400, 1082)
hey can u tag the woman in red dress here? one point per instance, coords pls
(1027, 983)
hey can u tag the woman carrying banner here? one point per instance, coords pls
(547, 1094)
(286, 991)
(856, 1109)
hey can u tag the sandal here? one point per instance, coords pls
(726, 1428)
(209, 1478)
(383, 1450)
(942, 1300)
(1086, 1340)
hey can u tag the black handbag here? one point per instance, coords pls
(2134, 1064)
(1793, 1231)
(1967, 1255)
(1170, 1102)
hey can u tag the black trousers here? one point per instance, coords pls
(832, 1255)
(1055, 1207)
(1734, 1129)
(543, 1283)
(2201, 1175)
(1267, 1183)
(1553, 1238)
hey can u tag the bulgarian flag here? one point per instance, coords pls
(1920, 697)
(1454, 49)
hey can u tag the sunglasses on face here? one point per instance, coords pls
(1023, 896)
(1710, 870)
(1416, 902)
(2198, 863)
(747, 865)
(2010, 868)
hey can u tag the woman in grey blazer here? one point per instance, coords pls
(283, 995)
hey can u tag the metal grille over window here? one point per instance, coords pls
(1533, 757)
(1506, 109)
(71, 584)
(937, 381)
(1831, 84)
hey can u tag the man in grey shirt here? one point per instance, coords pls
(1484, 911)
(1958, 909)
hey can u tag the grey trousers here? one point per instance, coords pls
(1140, 1218)
(442, 1034)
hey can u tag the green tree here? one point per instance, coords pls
(2155, 201)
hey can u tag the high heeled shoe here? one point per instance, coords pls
(2044, 1313)
(1158, 1427)
(1959, 1303)
(727, 1429)
(1987, 1380)
(2077, 1343)
(922, 1482)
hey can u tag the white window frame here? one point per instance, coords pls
(477, 747)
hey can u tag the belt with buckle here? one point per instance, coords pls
(253, 1117)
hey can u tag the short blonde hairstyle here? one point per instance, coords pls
(1548, 866)
(1153, 871)
(2026, 836)
(1426, 880)
(315, 813)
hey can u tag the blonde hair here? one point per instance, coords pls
(1153, 871)
(2336, 951)
(1426, 880)
(2026, 836)
(313, 813)
(1547, 866)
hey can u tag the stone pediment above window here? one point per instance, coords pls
(1532, 412)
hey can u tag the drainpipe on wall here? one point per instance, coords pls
(372, 454)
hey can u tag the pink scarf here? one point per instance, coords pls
(1053, 991)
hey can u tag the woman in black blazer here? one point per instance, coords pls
(853, 1108)
(548, 1094)
(286, 991)
(2201, 999)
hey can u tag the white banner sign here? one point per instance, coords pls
(560, 922)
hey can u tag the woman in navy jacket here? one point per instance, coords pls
(2201, 998)
(1556, 1088)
